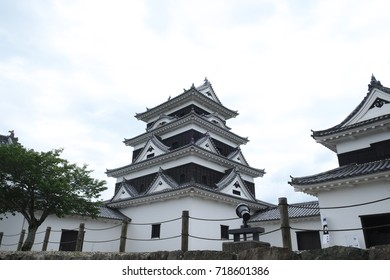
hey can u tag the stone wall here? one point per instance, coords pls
(261, 253)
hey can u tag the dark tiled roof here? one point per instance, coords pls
(179, 151)
(344, 172)
(109, 213)
(189, 186)
(193, 91)
(297, 210)
(340, 127)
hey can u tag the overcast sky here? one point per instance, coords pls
(74, 73)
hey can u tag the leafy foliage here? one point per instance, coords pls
(38, 184)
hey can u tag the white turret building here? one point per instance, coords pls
(354, 198)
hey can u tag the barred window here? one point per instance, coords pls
(224, 232)
(156, 228)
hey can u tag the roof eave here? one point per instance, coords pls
(190, 190)
(330, 140)
(191, 94)
(182, 152)
(328, 185)
(184, 121)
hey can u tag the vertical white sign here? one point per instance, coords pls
(325, 232)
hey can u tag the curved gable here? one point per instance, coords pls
(208, 91)
(152, 148)
(237, 156)
(162, 120)
(233, 184)
(125, 191)
(160, 183)
(207, 144)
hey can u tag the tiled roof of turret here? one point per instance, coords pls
(180, 122)
(200, 93)
(344, 172)
(374, 84)
(120, 171)
(296, 210)
(109, 213)
(188, 186)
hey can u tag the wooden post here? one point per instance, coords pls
(184, 230)
(80, 238)
(1, 237)
(21, 239)
(284, 223)
(46, 239)
(122, 245)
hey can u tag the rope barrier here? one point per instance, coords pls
(55, 230)
(215, 220)
(208, 239)
(156, 239)
(339, 207)
(220, 239)
(347, 229)
(102, 241)
(101, 229)
(163, 222)
(207, 220)
(11, 235)
(63, 242)
(9, 244)
(268, 232)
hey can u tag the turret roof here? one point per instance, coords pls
(347, 122)
(204, 94)
(346, 175)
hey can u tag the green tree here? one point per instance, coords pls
(39, 184)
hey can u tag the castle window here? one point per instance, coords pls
(204, 180)
(150, 155)
(224, 232)
(236, 192)
(68, 240)
(156, 228)
(376, 229)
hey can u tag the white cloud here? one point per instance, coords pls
(74, 73)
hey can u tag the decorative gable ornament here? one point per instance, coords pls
(208, 91)
(215, 119)
(160, 183)
(152, 148)
(378, 103)
(233, 184)
(238, 156)
(207, 144)
(162, 120)
(125, 191)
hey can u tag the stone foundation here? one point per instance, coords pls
(258, 253)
